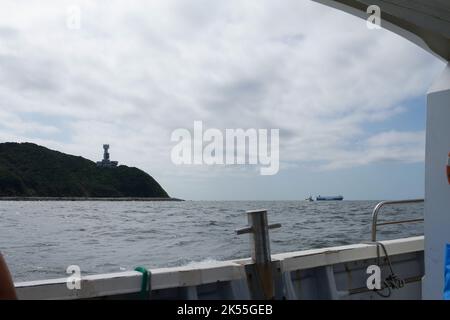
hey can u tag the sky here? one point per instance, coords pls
(349, 102)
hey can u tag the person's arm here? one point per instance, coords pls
(7, 289)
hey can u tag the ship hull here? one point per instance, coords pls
(337, 198)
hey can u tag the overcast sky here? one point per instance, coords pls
(349, 101)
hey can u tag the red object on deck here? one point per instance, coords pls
(448, 168)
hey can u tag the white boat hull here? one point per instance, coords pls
(328, 273)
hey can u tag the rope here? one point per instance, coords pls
(146, 283)
(393, 281)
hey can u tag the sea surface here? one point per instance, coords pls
(41, 239)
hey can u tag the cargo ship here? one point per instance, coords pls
(329, 198)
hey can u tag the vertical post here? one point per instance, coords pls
(259, 237)
(258, 228)
(437, 186)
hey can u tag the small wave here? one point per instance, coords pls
(204, 262)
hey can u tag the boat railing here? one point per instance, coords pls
(382, 204)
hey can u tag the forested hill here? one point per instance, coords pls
(29, 170)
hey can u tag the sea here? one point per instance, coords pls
(40, 239)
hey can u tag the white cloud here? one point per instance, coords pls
(136, 70)
(390, 146)
(393, 138)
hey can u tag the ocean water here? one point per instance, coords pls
(41, 239)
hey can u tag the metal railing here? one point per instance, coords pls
(380, 205)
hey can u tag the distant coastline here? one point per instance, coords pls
(85, 199)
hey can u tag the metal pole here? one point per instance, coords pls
(258, 228)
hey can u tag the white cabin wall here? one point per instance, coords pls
(437, 188)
